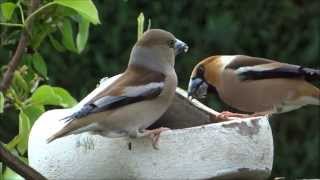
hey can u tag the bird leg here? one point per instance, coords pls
(153, 134)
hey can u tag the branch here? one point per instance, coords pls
(22, 45)
(18, 166)
(6, 157)
(13, 64)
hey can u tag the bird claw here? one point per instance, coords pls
(154, 135)
(225, 115)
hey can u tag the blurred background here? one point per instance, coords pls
(286, 30)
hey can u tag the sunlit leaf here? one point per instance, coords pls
(1, 102)
(24, 129)
(19, 83)
(7, 10)
(21, 140)
(33, 112)
(56, 44)
(67, 35)
(82, 36)
(39, 64)
(140, 20)
(45, 95)
(13, 142)
(85, 8)
(1, 175)
(11, 175)
(66, 99)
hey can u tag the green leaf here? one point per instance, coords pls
(40, 32)
(7, 9)
(82, 36)
(24, 129)
(1, 176)
(33, 112)
(11, 175)
(66, 99)
(19, 83)
(67, 36)
(21, 140)
(39, 65)
(85, 8)
(140, 20)
(1, 102)
(56, 44)
(45, 95)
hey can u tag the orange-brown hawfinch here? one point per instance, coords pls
(255, 85)
(138, 97)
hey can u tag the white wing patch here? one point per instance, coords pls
(226, 60)
(254, 68)
(132, 91)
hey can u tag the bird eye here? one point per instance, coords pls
(171, 43)
(200, 71)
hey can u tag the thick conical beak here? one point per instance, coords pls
(180, 47)
(197, 88)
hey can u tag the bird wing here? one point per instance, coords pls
(133, 86)
(251, 68)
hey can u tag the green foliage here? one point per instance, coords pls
(25, 97)
(47, 95)
(11, 175)
(140, 26)
(1, 102)
(85, 8)
(39, 65)
(83, 35)
(7, 9)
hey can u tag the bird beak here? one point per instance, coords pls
(180, 47)
(197, 88)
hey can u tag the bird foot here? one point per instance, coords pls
(154, 135)
(225, 115)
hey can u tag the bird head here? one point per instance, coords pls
(204, 77)
(157, 47)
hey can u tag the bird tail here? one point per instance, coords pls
(311, 74)
(63, 132)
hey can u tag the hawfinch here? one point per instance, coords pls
(255, 85)
(138, 97)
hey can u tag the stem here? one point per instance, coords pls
(12, 24)
(13, 64)
(21, 12)
(38, 11)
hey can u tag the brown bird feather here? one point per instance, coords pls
(257, 85)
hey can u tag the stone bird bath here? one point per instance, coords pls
(197, 147)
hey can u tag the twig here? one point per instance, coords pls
(13, 64)
(6, 157)
(29, 19)
(18, 166)
(16, 58)
(11, 24)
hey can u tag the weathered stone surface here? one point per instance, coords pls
(195, 148)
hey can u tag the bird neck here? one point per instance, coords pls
(152, 59)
